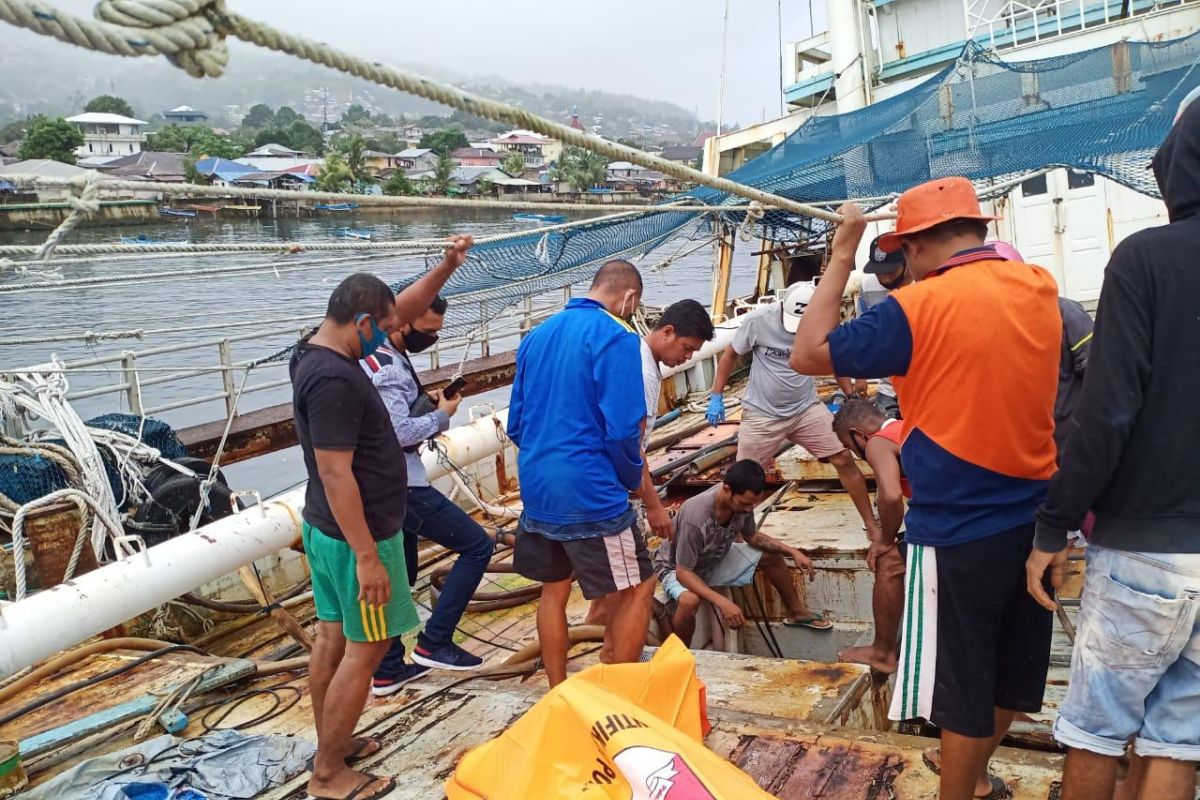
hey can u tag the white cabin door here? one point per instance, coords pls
(1035, 223)
(1085, 233)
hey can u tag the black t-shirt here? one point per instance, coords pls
(337, 408)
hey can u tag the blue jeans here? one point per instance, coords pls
(1135, 672)
(432, 516)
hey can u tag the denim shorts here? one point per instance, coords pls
(736, 568)
(1135, 671)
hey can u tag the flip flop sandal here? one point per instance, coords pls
(999, 790)
(816, 622)
(356, 792)
(364, 747)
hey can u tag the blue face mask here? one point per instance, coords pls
(377, 340)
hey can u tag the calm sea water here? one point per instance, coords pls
(251, 305)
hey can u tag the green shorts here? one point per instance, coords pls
(335, 588)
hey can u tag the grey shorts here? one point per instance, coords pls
(601, 564)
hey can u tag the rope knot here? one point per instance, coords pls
(754, 214)
(182, 30)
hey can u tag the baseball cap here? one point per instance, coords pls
(880, 263)
(798, 297)
(929, 204)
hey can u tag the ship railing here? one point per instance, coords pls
(134, 381)
(1014, 23)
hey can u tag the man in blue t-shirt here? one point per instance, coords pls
(576, 413)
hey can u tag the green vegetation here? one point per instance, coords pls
(398, 185)
(199, 141)
(440, 182)
(351, 150)
(260, 115)
(580, 169)
(51, 137)
(445, 140)
(335, 176)
(513, 163)
(108, 104)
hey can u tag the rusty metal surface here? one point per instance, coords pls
(52, 532)
(159, 675)
(269, 429)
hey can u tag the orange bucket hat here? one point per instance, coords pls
(932, 203)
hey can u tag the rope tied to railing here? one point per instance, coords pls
(754, 214)
(84, 201)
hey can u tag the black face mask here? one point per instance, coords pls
(416, 341)
(891, 287)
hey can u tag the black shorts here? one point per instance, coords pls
(601, 564)
(993, 639)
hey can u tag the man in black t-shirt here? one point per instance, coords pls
(353, 510)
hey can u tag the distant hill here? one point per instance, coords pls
(43, 76)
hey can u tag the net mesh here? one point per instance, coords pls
(28, 475)
(1103, 111)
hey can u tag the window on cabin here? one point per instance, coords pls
(1080, 180)
(1035, 186)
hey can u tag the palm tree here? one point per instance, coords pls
(513, 164)
(441, 182)
(335, 175)
(581, 169)
(351, 150)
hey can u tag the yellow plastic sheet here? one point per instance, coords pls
(619, 732)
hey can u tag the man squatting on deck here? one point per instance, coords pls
(1133, 460)
(781, 405)
(353, 513)
(978, 458)
(418, 416)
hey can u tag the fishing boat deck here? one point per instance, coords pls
(802, 726)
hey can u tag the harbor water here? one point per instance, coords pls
(263, 309)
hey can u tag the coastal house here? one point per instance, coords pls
(537, 149)
(625, 176)
(108, 134)
(274, 150)
(185, 115)
(46, 168)
(146, 165)
(274, 180)
(223, 171)
(467, 180)
(377, 161)
(476, 157)
(416, 159)
(683, 154)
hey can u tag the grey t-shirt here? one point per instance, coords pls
(775, 389)
(700, 542)
(652, 385)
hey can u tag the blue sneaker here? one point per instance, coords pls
(382, 687)
(448, 656)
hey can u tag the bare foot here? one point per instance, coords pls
(342, 783)
(933, 759)
(885, 663)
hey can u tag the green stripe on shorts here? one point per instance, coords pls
(336, 589)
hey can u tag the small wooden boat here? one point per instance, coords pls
(177, 212)
(542, 218)
(336, 206)
(354, 233)
(205, 208)
(242, 208)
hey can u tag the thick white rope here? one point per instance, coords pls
(84, 501)
(191, 34)
(44, 394)
(33, 181)
(84, 202)
(416, 246)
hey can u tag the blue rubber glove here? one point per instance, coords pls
(716, 410)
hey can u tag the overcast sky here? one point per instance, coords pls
(659, 49)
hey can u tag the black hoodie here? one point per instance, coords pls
(1134, 457)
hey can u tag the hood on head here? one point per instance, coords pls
(1176, 165)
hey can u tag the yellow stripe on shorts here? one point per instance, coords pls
(368, 627)
(382, 622)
